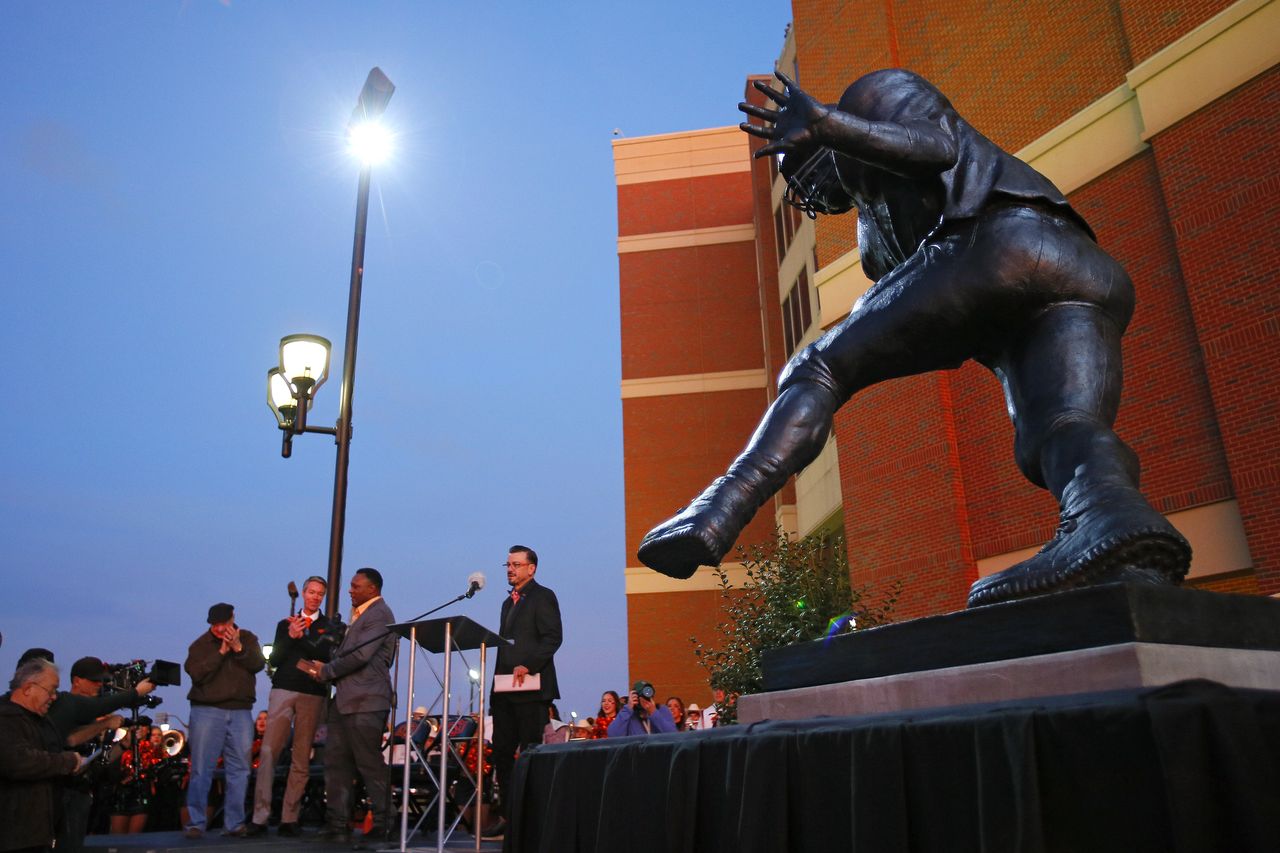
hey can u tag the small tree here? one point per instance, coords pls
(796, 590)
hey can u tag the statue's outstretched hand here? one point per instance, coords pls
(793, 121)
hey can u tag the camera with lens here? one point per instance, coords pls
(325, 641)
(126, 677)
(644, 690)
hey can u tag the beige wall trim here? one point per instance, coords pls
(818, 489)
(695, 383)
(684, 239)
(670, 156)
(642, 579)
(1090, 143)
(1229, 49)
(1215, 531)
(840, 284)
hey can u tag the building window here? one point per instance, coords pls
(788, 330)
(777, 233)
(797, 312)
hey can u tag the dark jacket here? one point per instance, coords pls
(28, 770)
(533, 626)
(224, 681)
(70, 711)
(361, 668)
(286, 652)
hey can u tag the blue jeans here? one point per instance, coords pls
(214, 732)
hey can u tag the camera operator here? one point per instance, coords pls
(296, 702)
(77, 717)
(642, 715)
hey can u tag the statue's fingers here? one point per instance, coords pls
(768, 115)
(786, 81)
(757, 130)
(772, 93)
(781, 146)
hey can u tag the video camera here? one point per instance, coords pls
(325, 640)
(126, 676)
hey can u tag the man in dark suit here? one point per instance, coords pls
(361, 672)
(531, 620)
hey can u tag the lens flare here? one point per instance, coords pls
(370, 142)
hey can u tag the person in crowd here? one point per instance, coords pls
(530, 618)
(295, 707)
(33, 653)
(78, 716)
(131, 796)
(720, 702)
(692, 717)
(556, 730)
(676, 706)
(223, 664)
(642, 715)
(32, 760)
(259, 729)
(360, 672)
(610, 704)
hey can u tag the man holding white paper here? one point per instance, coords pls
(525, 675)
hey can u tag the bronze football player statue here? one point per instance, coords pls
(973, 255)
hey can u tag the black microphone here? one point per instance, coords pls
(476, 583)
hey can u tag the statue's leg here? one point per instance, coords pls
(1062, 380)
(896, 329)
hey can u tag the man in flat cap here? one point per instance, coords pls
(223, 664)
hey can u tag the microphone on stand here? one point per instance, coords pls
(476, 583)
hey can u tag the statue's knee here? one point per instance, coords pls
(808, 366)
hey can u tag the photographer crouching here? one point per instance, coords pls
(642, 715)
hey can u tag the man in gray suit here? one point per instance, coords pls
(361, 672)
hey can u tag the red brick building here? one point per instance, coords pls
(1159, 119)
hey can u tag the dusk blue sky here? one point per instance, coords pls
(177, 198)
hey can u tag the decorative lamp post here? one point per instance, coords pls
(304, 359)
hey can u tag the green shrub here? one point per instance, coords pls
(795, 591)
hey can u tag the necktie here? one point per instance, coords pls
(515, 596)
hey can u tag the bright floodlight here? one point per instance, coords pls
(280, 397)
(370, 142)
(304, 361)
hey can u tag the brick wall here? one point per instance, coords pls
(659, 628)
(1219, 174)
(674, 446)
(1152, 24)
(707, 201)
(690, 310)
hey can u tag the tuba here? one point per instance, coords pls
(173, 742)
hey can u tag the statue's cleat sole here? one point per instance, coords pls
(1153, 555)
(678, 550)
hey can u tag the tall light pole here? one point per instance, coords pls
(370, 142)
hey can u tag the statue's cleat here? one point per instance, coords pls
(1108, 533)
(700, 534)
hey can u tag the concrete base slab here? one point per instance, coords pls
(1114, 667)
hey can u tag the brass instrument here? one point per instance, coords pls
(173, 742)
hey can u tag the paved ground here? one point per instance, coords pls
(160, 842)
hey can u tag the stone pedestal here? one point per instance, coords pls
(1099, 638)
